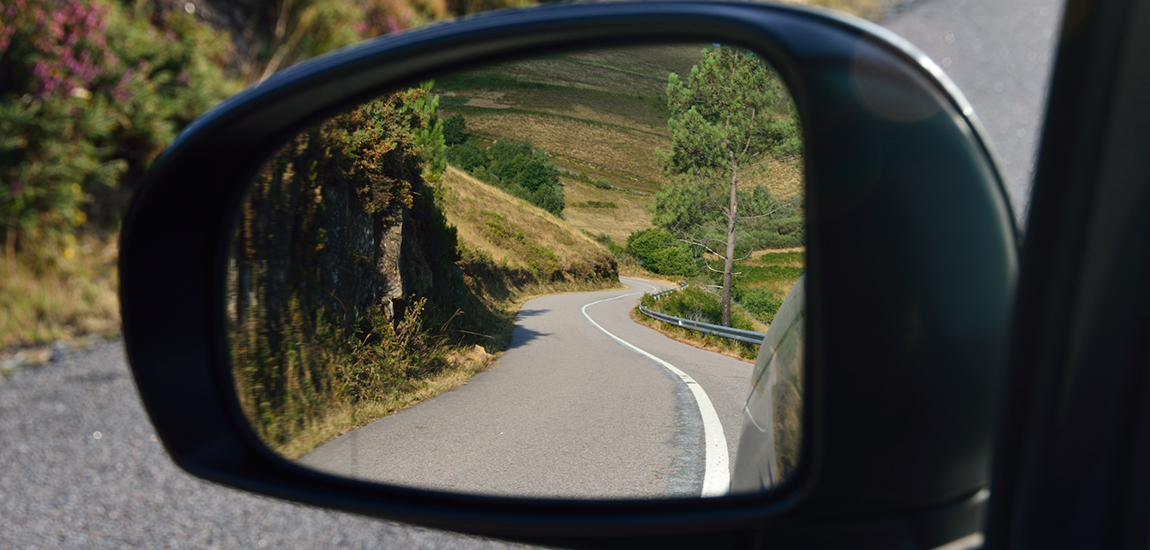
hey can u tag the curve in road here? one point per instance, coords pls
(566, 412)
(716, 476)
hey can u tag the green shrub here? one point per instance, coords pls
(550, 198)
(761, 302)
(505, 149)
(466, 155)
(767, 240)
(90, 93)
(608, 242)
(792, 225)
(698, 304)
(659, 252)
(455, 130)
(515, 167)
(537, 173)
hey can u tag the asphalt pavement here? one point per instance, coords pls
(567, 411)
(999, 53)
(79, 467)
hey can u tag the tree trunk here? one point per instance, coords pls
(729, 260)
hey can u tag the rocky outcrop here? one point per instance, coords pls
(369, 261)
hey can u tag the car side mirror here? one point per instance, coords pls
(910, 258)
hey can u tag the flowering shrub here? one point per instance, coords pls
(90, 93)
(92, 90)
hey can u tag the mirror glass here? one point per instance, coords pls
(548, 278)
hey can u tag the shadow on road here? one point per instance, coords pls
(521, 335)
(532, 312)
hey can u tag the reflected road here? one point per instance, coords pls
(567, 411)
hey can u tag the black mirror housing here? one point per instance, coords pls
(911, 255)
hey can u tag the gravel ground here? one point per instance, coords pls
(82, 469)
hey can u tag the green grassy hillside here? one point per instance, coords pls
(600, 115)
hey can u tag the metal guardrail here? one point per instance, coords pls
(748, 336)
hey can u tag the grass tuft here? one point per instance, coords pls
(59, 292)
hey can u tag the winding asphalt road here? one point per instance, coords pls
(569, 410)
(61, 487)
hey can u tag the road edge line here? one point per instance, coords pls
(717, 473)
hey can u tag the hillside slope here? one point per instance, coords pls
(599, 115)
(520, 237)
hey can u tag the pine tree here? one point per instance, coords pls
(731, 115)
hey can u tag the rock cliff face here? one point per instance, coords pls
(339, 228)
(369, 260)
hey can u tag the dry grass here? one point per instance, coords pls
(784, 178)
(630, 216)
(601, 113)
(760, 253)
(502, 226)
(636, 70)
(627, 156)
(51, 294)
(781, 286)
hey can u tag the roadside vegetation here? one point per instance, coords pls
(697, 303)
(367, 275)
(91, 91)
(765, 279)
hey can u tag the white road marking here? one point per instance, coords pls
(717, 475)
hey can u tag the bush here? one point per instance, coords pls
(515, 167)
(608, 242)
(659, 252)
(761, 302)
(455, 130)
(504, 150)
(466, 156)
(537, 173)
(697, 304)
(767, 240)
(90, 93)
(550, 198)
(792, 225)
